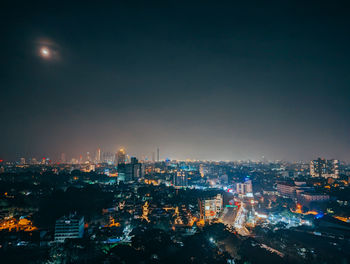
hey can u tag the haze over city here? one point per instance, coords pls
(228, 81)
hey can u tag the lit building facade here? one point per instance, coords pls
(180, 179)
(314, 197)
(69, 227)
(211, 208)
(133, 170)
(244, 188)
(286, 189)
(98, 156)
(120, 157)
(324, 168)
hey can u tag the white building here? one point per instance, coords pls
(69, 227)
(244, 188)
(211, 208)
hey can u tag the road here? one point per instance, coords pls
(229, 216)
(234, 218)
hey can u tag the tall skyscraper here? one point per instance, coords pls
(98, 156)
(120, 156)
(88, 157)
(180, 179)
(158, 154)
(133, 170)
(63, 158)
(108, 157)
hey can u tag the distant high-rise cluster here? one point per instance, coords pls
(324, 168)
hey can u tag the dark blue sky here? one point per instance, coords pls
(200, 79)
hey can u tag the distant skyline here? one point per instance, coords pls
(150, 156)
(205, 81)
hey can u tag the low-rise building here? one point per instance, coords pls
(314, 197)
(286, 189)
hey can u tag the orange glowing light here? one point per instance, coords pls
(112, 222)
(22, 224)
(344, 219)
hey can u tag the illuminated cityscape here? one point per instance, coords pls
(175, 132)
(235, 207)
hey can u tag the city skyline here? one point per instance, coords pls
(103, 156)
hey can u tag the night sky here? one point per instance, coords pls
(203, 80)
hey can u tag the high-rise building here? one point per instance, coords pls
(63, 158)
(88, 157)
(69, 227)
(130, 171)
(120, 157)
(211, 208)
(180, 179)
(98, 156)
(23, 161)
(324, 168)
(108, 157)
(244, 188)
(133, 170)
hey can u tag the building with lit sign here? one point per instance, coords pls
(69, 227)
(211, 208)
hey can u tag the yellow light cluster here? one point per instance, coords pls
(12, 223)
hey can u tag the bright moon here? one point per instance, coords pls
(45, 52)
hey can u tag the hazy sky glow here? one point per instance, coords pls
(199, 79)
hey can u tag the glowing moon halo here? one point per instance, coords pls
(45, 52)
